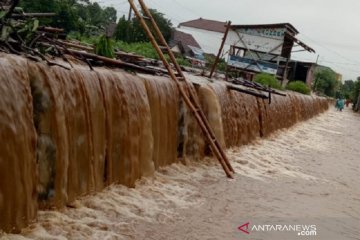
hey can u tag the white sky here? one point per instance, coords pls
(331, 27)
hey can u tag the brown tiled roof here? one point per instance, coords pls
(205, 24)
(185, 39)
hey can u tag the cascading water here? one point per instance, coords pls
(73, 132)
(18, 195)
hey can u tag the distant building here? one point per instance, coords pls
(264, 48)
(185, 44)
(208, 33)
(249, 48)
(305, 71)
(302, 71)
(339, 77)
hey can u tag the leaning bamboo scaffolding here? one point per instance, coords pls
(193, 94)
(192, 102)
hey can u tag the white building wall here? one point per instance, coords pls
(256, 43)
(209, 41)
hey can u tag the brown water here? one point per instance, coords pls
(305, 175)
(17, 148)
(70, 133)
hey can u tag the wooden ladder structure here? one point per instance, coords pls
(189, 96)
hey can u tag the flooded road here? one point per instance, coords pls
(308, 175)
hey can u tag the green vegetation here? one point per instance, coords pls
(268, 80)
(350, 90)
(355, 93)
(131, 31)
(346, 89)
(298, 86)
(141, 48)
(146, 49)
(325, 82)
(210, 60)
(86, 20)
(104, 47)
(83, 16)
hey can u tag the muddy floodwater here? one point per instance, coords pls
(308, 175)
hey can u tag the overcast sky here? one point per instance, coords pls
(331, 27)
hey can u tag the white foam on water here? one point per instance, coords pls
(113, 213)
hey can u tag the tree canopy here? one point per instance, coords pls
(131, 31)
(72, 15)
(325, 82)
(347, 88)
(355, 93)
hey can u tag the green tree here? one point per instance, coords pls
(66, 16)
(325, 82)
(44, 6)
(39, 5)
(133, 32)
(72, 15)
(355, 94)
(122, 30)
(109, 15)
(347, 88)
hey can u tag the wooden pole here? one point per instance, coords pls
(24, 15)
(193, 94)
(253, 93)
(220, 49)
(106, 60)
(51, 29)
(78, 46)
(194, 109)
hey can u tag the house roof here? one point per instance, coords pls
(288, 26)
(185, 39)
(206, 24)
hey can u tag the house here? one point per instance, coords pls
(185, 44)
(305, 72)
(249, 49)
(302, 71)
(264, 48)
(208, 33)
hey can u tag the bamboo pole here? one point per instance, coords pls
(193, 95)
(69, 44)
(195, 110)
(24, 15)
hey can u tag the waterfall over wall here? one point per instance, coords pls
(68, 133)
(18, 173)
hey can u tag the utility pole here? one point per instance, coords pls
(315, 82)
(317, 59)
(130, 14)
(228, 25)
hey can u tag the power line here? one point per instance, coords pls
(330, 50)
(176, 18)
(188, 9)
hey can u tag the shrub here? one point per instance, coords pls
(298, 86)
(104, 47)
(267, 80)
